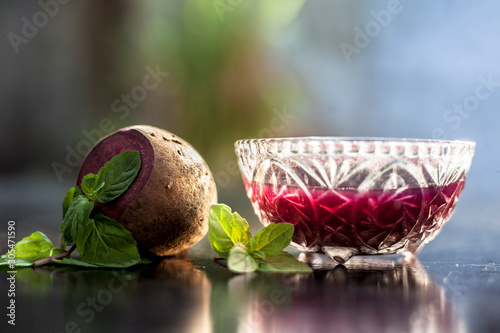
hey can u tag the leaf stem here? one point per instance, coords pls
(221, 261)
(57, 256)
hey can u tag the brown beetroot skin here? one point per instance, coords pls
(166, 207)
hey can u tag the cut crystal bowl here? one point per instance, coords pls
(355, 196)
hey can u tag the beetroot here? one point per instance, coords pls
(166, 206)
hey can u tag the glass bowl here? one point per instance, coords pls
(355, 196)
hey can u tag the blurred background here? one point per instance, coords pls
(216, 71)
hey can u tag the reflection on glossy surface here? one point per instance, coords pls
(169, 296)
(187, 306)
(192, 306)
(376, 295)
(367, 295)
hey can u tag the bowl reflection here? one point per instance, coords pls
(365, 295)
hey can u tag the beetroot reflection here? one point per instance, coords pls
(181, 286)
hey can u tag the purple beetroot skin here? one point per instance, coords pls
(166, 206)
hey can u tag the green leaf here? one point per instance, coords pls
(283, 263)
(226, 229)
(56, 251)
(72, 262)
(89, 184)
(69, 197)
(240, 260)
(272, 239)
(63, 243)
(117, 175)
(67, 260)
(91, 187)
(29, 249)
(4, 261)
(105, 242)
(75, 262)
(75, 219)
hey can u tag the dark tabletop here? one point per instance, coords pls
(453, 285)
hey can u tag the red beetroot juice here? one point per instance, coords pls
(370, 221)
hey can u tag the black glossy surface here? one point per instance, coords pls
(454, 286)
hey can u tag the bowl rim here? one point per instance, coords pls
(364, 139)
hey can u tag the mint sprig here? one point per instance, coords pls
(113, 178)
(100, 241)
(231, 239)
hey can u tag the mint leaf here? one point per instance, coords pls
(283, 263)
(91, 187)
(72, 262)
(272, 239)
(240, 260)
(105, 242)
(29, 249)
(75, 219)
(69, 197)
(71, 194)
(226, 229)
(67, 260)
(34, 247)
(75, 262)
(4, 261)
(89, 184)
(56, 251)
(117, 175)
